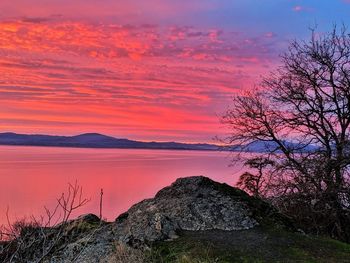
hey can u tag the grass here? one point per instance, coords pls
(258, 245)
(125, 254)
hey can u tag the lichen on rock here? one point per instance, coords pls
(192, 203)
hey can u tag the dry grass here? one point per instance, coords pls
(125, 254)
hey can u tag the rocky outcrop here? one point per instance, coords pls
(192, 203)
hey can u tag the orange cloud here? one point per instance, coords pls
(144, 82)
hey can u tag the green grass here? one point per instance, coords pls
(257, 245)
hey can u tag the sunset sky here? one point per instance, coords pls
(147, 69)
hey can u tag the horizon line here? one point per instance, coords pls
(112, 136)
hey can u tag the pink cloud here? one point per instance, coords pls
(123, 80)
(270, 34)
(298, 8)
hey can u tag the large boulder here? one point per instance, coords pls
(192, 203)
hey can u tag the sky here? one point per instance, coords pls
(147, 70)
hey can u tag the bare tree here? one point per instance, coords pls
(256, 184)
(302, 112)
(38, 237)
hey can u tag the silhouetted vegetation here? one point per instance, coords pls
(302, 112)
(256, 184)
(36, 238)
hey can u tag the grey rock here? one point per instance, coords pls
(192, 203)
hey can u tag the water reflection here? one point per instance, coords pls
(35, 176)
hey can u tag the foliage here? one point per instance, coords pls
(256, 245)
(256, 184)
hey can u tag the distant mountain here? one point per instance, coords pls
(95, 140)
(270, 146)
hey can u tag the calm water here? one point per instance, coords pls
(33, 177)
